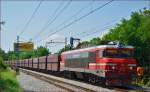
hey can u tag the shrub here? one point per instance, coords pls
(8, 82)
(2, 65)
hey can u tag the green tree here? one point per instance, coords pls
(2, 54)
(42, 51)
(66, 48)
(25, 55)
(95, 41)
(2, 65)
(11, 55)
(133, 32)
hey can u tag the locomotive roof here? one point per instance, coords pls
(97, 47)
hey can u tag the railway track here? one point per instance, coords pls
(62, 84)
(74, 86)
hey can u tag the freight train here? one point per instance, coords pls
(111, 64)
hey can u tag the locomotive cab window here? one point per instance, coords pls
(116, 53)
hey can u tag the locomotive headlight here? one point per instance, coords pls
(113, 67)
(131, 67)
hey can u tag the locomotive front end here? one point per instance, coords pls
(117, 64)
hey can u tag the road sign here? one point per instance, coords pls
(23, 46)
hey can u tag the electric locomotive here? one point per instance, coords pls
(111, 64)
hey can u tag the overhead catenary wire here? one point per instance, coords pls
(78, 19)
(77, 13)
(96, 31)
(51, 21)
(98, 26)
(85, 32)
(32, 16)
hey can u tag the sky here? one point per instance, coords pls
(59, 13)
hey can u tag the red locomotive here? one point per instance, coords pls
(111, 64)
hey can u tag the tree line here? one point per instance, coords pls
(11, 55)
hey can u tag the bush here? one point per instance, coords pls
(8, 82)
(2, 65)
(148, 84)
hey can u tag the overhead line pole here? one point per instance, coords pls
(17, 50)
(1, 23)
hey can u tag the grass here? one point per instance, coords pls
(142, 82)
(8, 81)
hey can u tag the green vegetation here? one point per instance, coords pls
(8, 82)
(40, 51)
(66, 48)
(135, 32)
(3, 54)
(2, 65)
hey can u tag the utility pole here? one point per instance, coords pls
(1, 23)
(17, 50)
(65, 41)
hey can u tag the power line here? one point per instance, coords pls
(78, 12)
(30, 19)
(108, 23)
(49, 22)
(81, 34)
(94, 32)
(78, 19)
(77, 34)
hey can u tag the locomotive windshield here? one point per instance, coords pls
(118, 53)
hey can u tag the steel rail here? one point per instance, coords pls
(64, 85)
(69, 86)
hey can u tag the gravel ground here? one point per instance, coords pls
(31, 84)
